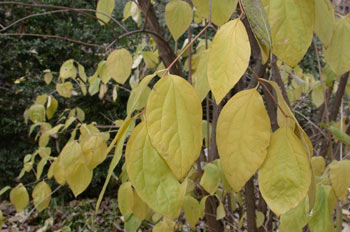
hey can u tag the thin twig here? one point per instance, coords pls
(53, 36)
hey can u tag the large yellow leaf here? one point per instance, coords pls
(94, 149)
(105, 9)
(151, 177)
(140, 208)
(192, 210)
(19, 197)
(292, 25)
(324, 21)
(243, 135)
(295, 219)
(228, 59)
(221, 10)
(41, 196)
(119, 64)
(200, 77)
(125, 198)
(285, 176)
(337, 54)
(339, 174)
(322, 213)
(174, 123)
(178, 17)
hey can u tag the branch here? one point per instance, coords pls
(53, 36)
(338, 96)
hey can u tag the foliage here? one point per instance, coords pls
(169, 159)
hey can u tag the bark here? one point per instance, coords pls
(210, 215)
(276, 75)
(166, 53)
(338, 97)
(250, 205)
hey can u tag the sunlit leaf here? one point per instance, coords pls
(228, 58)
(178, 17)
(285, 176)
(19, 197)
(41, 196)
(151, 177)
(243, 135)
(174, 123)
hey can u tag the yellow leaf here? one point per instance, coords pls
(337, 55)
(318, 165)
(295, 219)
(260, 218)
(68, 70)
(132, 10)
(292, 25)
(65, 89)
(174, 123)
(58, 172)
(228, 59)
(150, 58)
(202, 206)
(317, 94)
(221, 10)
(339, 175)
(243, 135)
(41, 99)
(285, 176)
(94, 149)
(19, 197)
(41, 196)
(79, 178)
(125, 198)
(52, 106)
(211, 178)
(220, 210)
(105, 9)
(324, 21)
(70, 155)
(164, 226)
(192, 210)
(140, 208)
(2, 219)
(151, 177)
(37, 113)
(47, 78)
(119, 64)
(103, 72)
(178, 17)
(322, 213)
(200, 77)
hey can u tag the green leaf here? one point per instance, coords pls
(324, 21)
(285, 176)
(220, 210)
(243, 136)
(105, 9)
(68, 70)
(153, 181)
(164, 226)
(317, 94)
(337, 55)
(41, 196)
(65, 89)
(228, 59)
(174, 123)
(192, 210)
(292, 25)
(178, 17)
(19, 197)
(221, 10)
(322, 213)
(132, 223)
(295, 219)
(47, 78)
(125, 198)
(119, 64)
(258, 20)
(41, 99)
(211, 178)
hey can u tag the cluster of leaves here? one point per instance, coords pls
(164, 123)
